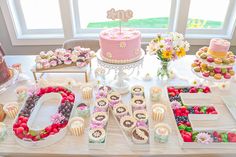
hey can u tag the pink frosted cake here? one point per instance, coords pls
(120, 47)
(218, 48)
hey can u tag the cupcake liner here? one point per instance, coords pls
(76, 131)
(11, 113)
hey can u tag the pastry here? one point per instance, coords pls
(138, 103)
(137, 91)
(113, 99)
(101, 104)
(83, 110)
(223, 70)
(217, 60)
(140, 135)
(120, 110)
(161, 132)
(100, 118)
(106, 88)
(2, 113)
(3, 131)
(11, 109)
(225, 61)
(210, 68)
(217, 76)
(203, 66)
(128, 123)
(155, 93)
(97, 135)
(87, 93)
(141, 115)
(158, 112)
(232, 60)
(194, 65)
(198, 53)
(76, 125)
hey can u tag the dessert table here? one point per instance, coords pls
(116, 144)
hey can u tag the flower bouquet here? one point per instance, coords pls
(167, 49)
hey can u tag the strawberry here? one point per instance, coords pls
(206, 90)
(193, 90)
(25, 120)
(188, 123)
(48, 129)
(16, 125)
(21, 136)
(55, 130)
(187, 136)
(70, 98)
(24, 125)
(170, 89)
(43, 135)
(172, 94)
(19, 130)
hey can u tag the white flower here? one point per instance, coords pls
(152, 48)
(74, 58)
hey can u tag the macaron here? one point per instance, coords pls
(217, 70)
(227, 76)
(197, 69)
(210, 59)
(231, 72)
(217, 76)
(203, 55)
(206, 74)
(217, 60)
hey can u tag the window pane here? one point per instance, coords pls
(207, 13)
(41, 14)
(147, 13)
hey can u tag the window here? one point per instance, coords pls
(34, 17)
(145, 14)
(50, 22)
(210, 15)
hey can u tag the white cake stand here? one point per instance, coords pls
(120, 84)
(12, 80)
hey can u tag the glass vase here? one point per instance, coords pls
(164, 72)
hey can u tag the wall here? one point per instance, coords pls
(24, 50)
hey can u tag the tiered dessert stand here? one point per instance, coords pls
(11, 81)
(120, 84)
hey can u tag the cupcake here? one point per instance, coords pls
(87, 93)
(137, 91)
(76, 125)
(128, 123)
(101, 104)
(100, 118)
(140, 135)
(2, 113)
(158, 112)
(82, 110)
(155, 93)
(113, 98)
(138, 103)
(141, 115)
(3, 131)
(120, 110)
(11, 109)
(97, 135)
(161, 132)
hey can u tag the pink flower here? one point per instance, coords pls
(175, 105)
(57, 118)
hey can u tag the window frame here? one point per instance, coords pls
(178, 12)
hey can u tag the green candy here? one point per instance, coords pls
(194, 134)
(203, 109)
(224, 137)
(200, 90)
(188, 129)
(181, 127)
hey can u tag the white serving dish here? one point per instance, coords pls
(196, 145)
(203, 97)
(31, 123)
(230, 102)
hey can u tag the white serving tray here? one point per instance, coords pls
(33, 124)
(230, 102)
(205, 98)
(186, 145)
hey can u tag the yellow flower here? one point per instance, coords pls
(166, 54)
(181, 52)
